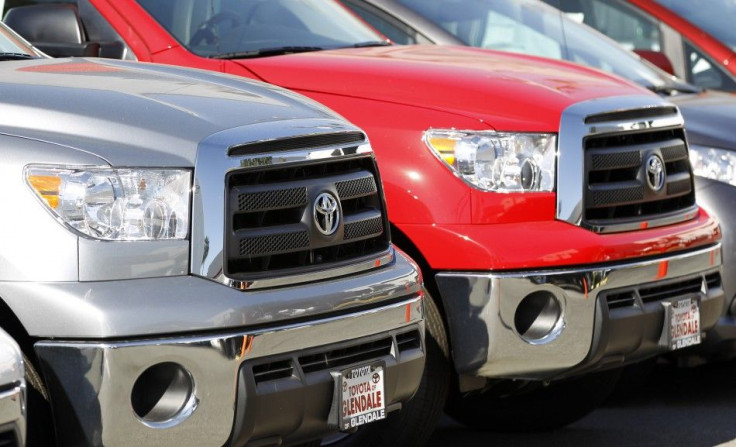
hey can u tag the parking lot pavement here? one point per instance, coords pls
(694, 407)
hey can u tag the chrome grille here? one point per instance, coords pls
(270, 219)
(254, 200)
(623, 165)
(619, 192)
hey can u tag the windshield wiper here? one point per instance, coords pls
(277, 51)
(671, 89)
(15, 56)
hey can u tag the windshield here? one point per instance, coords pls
(714, 16)
(13, 44)
(531, 27)
(242, 28)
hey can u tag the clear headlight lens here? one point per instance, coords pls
(715, 164)
(496, 161)
(117, 204)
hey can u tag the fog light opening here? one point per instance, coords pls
(163, 395)
(538, 318)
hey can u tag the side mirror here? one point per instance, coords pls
(657, 58)
(55, 29)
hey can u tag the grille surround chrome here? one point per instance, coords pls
(214, 163)
(606, 117)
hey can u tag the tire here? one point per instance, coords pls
(414, 424)
(542, 408)
(40, 428)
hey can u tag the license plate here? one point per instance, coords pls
(359, 396)
(682, 323)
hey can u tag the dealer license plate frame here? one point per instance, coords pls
(678, 311)
(353, 377)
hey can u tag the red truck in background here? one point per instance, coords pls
(550, 207)
(691, 39)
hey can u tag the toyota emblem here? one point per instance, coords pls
(326, 214)
(655, 173)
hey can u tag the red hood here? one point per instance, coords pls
(508, 91)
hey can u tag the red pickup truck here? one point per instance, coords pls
(550, 207)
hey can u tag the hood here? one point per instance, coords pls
(709, 118)
(132, 113)
(509, 91)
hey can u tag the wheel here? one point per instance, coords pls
(535, 407)
(40, 430)
(413, 425)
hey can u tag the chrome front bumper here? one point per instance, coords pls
(91, 383)
(593, 331)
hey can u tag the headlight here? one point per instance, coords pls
(495, 161)
(715, 164)
(116, 204)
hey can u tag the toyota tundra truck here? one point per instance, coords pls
(550, 207)
(192, 259)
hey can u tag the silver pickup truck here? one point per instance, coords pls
(189, 259)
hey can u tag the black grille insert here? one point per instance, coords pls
(408, 341)
(713, 280)
(622, 191)
(271, 228)
(274, 243)
(623, 299)
(346, 356)
(282, 369)
(661, 291)
(672, 290)
(368, 226)
(273, 199)
(359, 187)
(8, 439)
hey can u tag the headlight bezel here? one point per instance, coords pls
(517, 157)
(171, 187)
